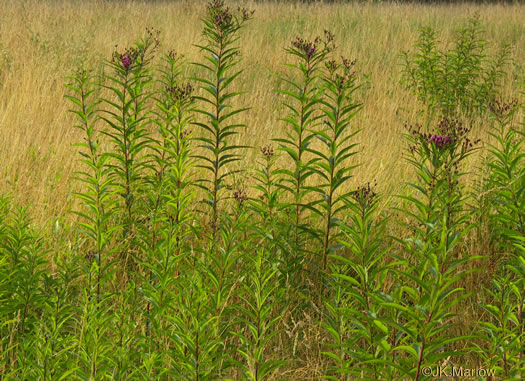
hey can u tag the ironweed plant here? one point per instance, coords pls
(97, 178)
(221, 34)
(266, 205)
(22, 294)
(258, 319)
(127, 120)
(506, 174)
(339, 109)
(221, 49)
(194, 331)
(56, 324)
(503, 334)
(289, 270)
(97, 224)
(164, 235)
(431, 274)
(355, 319)
(304, 100)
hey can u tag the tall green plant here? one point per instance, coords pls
(196, 344)
(55, 339)
(502, 330)
(23, 265)
(461, 79)
(258, 318)
(506, 174)
(266, 205)
(98, 226)
(93, 350)
(431, 273)
(355, 318)
(166, 192)
(503, 333)
(339, 108)
(127, 118)
(220, 128)
(221, 34)
(304, 99)
(96, 179)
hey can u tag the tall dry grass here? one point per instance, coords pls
(41, 42)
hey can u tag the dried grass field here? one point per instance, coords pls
(43, 41)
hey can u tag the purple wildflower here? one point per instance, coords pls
(342, 74)
(172, 55)
(451, 132)
(307, 47)
(126, 60)
(221, 16)
(331, 65)
(502, 109)
(329, 36)
(440, 141)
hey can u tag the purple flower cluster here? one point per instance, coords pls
(172, 55)
(502, 109)
(440, 141)
(317, 46)
(345, 75)
(307, 47)
(451, 132)
(329, 36)
(331, 65)
(221, 16)
(126, 60)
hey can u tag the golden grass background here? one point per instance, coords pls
(42, 42)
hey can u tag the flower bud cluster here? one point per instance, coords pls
(180, 92)
(364, 193)
(440, 141)
(267, 151)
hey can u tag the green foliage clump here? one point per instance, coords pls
(462, 79)
(503, 332)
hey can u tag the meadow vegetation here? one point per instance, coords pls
(211, 190)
